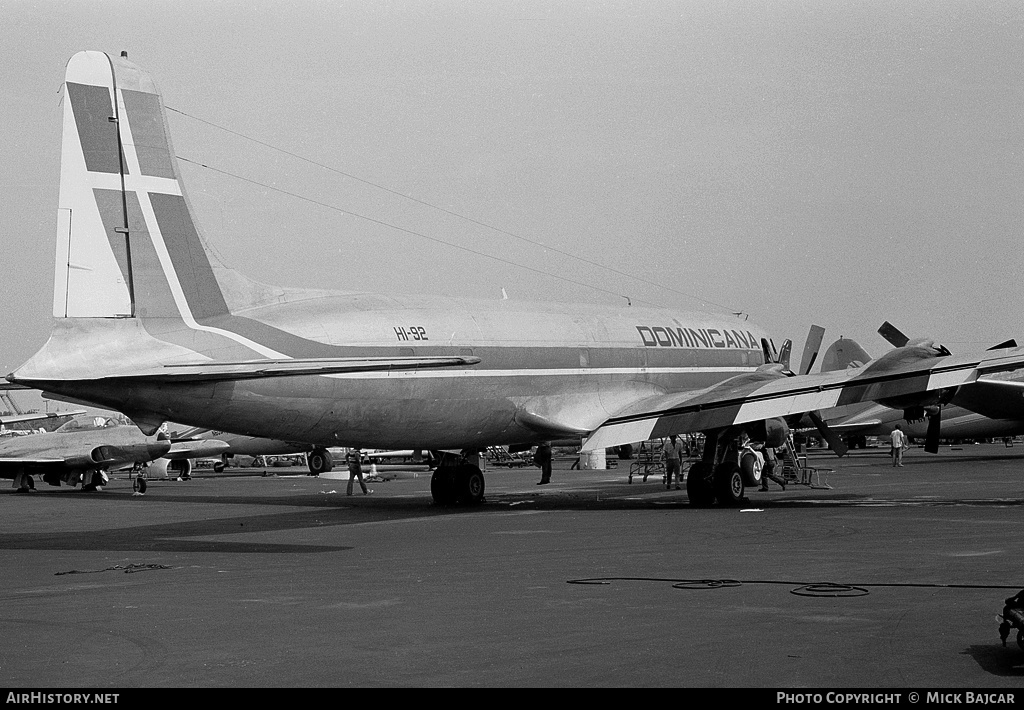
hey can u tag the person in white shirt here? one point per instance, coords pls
(674, 453)
(899, 443)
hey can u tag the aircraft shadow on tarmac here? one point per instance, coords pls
(174, 537)
(996, 660)
(613, 497)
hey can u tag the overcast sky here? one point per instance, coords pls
(838, 163)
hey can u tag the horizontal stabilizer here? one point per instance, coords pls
(255, 369)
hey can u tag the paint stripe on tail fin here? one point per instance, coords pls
(127, 243)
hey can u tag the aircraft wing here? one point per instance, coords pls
(16, 418)
(769, 393)
(397, 454)
(996, 399)
(254, 369)
(31, 460)
(196, 448)
(845, 427)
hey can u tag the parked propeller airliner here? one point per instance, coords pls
(148, 322)
(991, 407)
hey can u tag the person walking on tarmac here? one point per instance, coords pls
(355, 471)
(771, 464)
(543, 459)
(899, 442)
(673, 452)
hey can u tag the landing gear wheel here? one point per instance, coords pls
(219, 467)
(457, 485)
(729, 484)
(751, 469)
(319, 461)
(442, 485)
(698, 489)
(139, 485)
(469, 483)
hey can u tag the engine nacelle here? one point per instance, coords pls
(92, 460)
(180, 467)
(918, 413)
(773, 432)
(914, 352)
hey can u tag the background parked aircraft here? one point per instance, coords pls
(19, 421)
(992, 407)
(80, 451)
(225, 446)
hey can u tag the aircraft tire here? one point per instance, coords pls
(139, 485)
(319, 461)
(729, 487)
(218, 467)
(698, 489)
(751, 470)
(469, 484)
(442, 485)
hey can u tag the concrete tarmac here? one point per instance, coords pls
(249, 581)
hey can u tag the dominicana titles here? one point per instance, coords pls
(669, 337)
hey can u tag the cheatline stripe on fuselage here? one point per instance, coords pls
(548, 372)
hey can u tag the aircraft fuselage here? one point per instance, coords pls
(544, 373)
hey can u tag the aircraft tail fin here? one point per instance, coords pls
(842, 354)
(127, 243)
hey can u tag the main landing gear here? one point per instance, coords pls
(707, 482)
(457, 481)
(319, 461)
(23, 482)
(719, 477)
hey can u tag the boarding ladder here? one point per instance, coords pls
(795, 469)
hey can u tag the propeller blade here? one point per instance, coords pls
(784, 354)
(835, 442)
(931, 443)
(811, 347)
(893, 334)
(1011, 343)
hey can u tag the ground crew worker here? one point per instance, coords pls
(543, 459)
(355, 471)
(771, 463)
(674, 451)
(899, 442)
